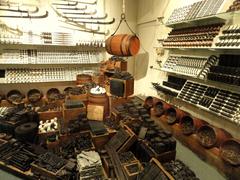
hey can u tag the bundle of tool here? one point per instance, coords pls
(76, 145)
(89, 165)
(17, 154)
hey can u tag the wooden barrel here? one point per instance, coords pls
(159, 108)
(101, 100)
(209, 136)
(230, 151)
(123, 45)
(148, 103)
(189, 124)
(83, 78)
(174, 115)
(15, 97)
(34, 95)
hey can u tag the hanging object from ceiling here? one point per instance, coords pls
(123, 44)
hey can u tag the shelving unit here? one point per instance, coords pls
(228, 18)
(206, 20)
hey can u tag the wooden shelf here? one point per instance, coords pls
(211, 156)
(46, 46)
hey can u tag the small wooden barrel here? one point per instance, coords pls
(83, 78)
(230, 151)
(148, 103)
(123, 45)
(15, 97)
(209, 136)
(174, 115)
(159, 108)
(101, 100)
(34, 95)
(189, 125)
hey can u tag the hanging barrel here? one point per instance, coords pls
(123, 45)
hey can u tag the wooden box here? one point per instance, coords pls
(71, 114)
(132, 138)
(132, 175)
(100, 140)
(155, 161)
(44, 116)
(163, 157)
(45, 172)
(121, 87)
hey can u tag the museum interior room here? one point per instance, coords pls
(120, 89)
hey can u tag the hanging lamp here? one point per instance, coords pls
(123, 44)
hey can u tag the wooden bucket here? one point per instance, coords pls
(209, 136)
(174, 115)
(230, 151)
(123, 45)
(189, 124)
(159, 108)
(101, 100)
(83, 78)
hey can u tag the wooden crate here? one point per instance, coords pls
(163, 157)
(70, 114)
(132, 176)
(155, 161)
(65, 138)
(45, 172)
(49, 115)
(100, 140)
(132, 138)
(43, 116)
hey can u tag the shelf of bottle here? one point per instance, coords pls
(217, 18)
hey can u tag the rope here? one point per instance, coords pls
(123, 18)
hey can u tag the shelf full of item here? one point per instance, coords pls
(203, 13)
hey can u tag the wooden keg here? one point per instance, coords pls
(83, 78)
(123, 45)
(15, 97)
(230, 151)
(34, 95)
(174, 115)
(209, 136)
(189, 124)
(101, 100)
